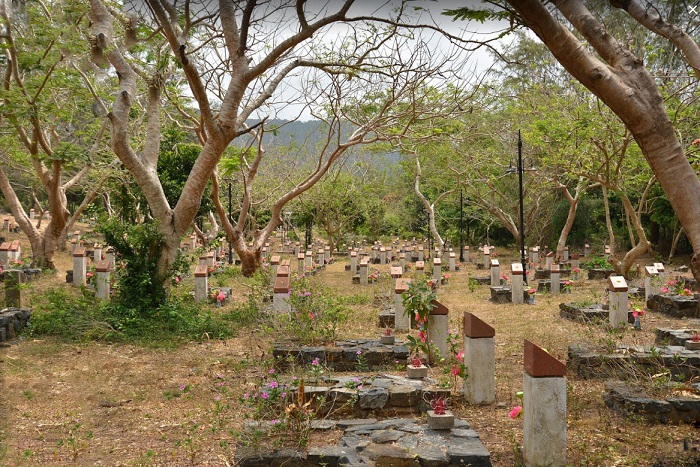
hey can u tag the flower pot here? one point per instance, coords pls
(690, 345)
(531, 300)
(416, 372)
(387, 340)
(444, 421)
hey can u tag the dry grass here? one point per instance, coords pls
(131, 409)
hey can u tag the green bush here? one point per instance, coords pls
(596, 263)
(78, 317)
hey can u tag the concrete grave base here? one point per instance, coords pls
(391, 442)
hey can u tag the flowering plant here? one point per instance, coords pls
(531, 291)
(439, 405)
(387, 331)
(445, 276)
(373, 276)
(418, 303)
(567, 285)
(517, 411)
(695, 337)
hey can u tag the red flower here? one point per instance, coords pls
(515, 413)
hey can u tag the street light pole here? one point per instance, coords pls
(461, 226)
(523, 258)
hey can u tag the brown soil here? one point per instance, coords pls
(102, 404)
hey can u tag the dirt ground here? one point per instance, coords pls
(108, 404)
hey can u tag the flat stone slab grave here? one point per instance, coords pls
(677, 336)
(343, 355)
(591, 364)
(391, 442)
(677, 306)
(588, 313)
(365, 395)
(633, 402)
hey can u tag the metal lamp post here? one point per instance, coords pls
(523, 258)
(461, 226)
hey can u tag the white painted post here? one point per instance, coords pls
(353, 262)
(617, 291)
(280, 296)
(308, 260)
(201, 283)
(321, 258)
(437, 271)
(544, 405)
(438, 323)
(467, 258)
(487, 257)
(586, 250)
(300, 263)
(566, 253)
(554, 279)
(6, 224)
(662, 271)
(516, 280)
(402, 322)
(420, 267)
(274, 264)
(452, 262)
(382, 255)
(97, 253)
(102, 280)
(402, 260)
(548, 260)
(79, 266)
(479, 360)
(364, 265)
(495, 273)
(31, 214)
(421, 256)
(649, 282)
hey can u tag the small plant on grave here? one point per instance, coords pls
(472, 284)
(454, 366)
(361, 362)
(597, 263)
(567, 285)
(504, 279)
(695, 337)
(373, 276)
(315, 315)
(416, 361)
(418, 303)
(388, 331)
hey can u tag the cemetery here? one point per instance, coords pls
(265, 233)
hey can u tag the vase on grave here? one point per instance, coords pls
(439, 418)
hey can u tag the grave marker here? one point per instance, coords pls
(102, 279)
(651, 277)
(617, 291)
(495, 273)
(274, 264)
(396, 272)
(586, 250)
(544, 405)
(452, 262)
(201, 283)
(661, 270)
(421, 256)
(420, 266)
(382, 255)
(566, 253)
(280, 296)
(516, 287)
(364, 273)
(97, 253)
(487, 257)
(437, 271)
(300, 264)
(548, 260)
(466, 254)
(402, 322)
(4, 250)
(554, 279)
(321, 257)
(79, 266)
(479, 360)
(438, 323)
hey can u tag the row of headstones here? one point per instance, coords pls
(544, 386)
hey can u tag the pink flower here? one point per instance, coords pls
(664, 289)
(422, 336)
(273, 385)
(177, 278)
(221, 297)
(515, 413)
(460, 355)
(455, 370)
(264, 395)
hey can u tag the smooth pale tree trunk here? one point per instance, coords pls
(622, 82)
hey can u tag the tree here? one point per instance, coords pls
(50, 116)
(614, 74)
(234, 59)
